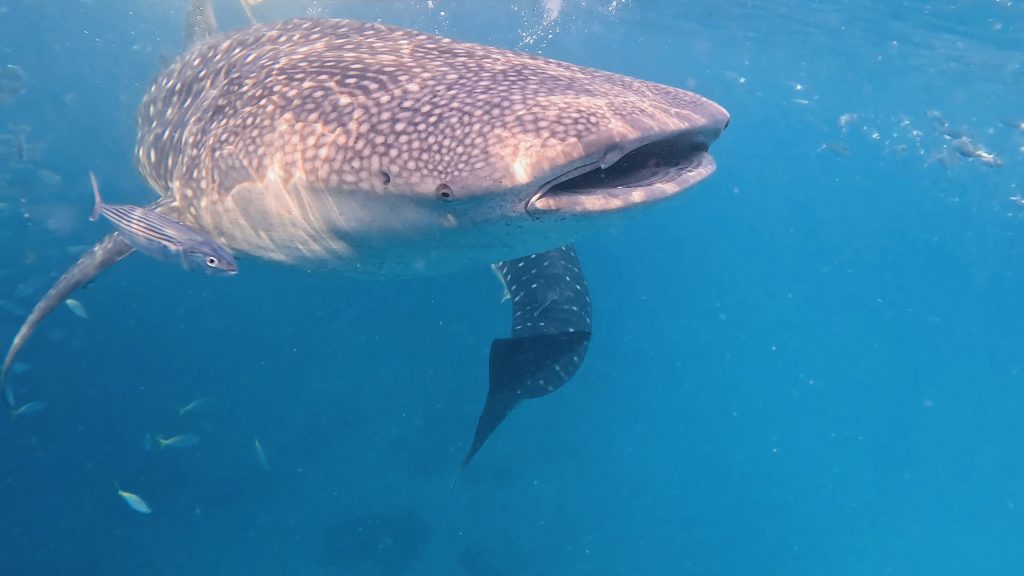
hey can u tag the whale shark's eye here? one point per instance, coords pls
(445, 192)
(212, 261)
(385, 178)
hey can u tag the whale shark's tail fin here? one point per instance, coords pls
(523, 368)
(102, 256)
(550, 334)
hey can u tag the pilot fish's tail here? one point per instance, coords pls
(103, 255)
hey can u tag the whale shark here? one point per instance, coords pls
(374, 150)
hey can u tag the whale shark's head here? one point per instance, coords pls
(594, 146)
(379, 148)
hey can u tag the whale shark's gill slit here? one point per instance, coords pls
(658, 161)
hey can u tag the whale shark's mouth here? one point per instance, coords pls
(649, 172)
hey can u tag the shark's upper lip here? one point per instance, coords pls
(625, 176)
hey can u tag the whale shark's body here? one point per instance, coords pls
(378, 150)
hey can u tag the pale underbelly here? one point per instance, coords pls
(372, 234)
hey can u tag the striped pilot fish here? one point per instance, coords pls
(163, 237)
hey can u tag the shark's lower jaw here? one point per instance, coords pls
(649, 172)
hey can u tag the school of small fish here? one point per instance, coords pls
(185, 440)
(955, 141)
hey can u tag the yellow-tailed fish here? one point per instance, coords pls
(196, 404)
(77, 308)
(261, 456)
(133, 500)
(179, 441)
(30, 408)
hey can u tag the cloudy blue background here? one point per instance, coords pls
(809, 364)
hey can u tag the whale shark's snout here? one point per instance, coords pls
(598, 143)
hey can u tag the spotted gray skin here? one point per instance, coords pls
(379, 150)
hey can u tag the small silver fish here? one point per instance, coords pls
(988, 159)
(1014, 123)
(846, 119)
(196, 404)
(30, 408)
(179, 441)
(936, 117)
(133, 500)
(965, 147)
(837, 147)
(164, 238)
(261, 456)
(77, 308)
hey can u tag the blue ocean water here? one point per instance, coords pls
(808, 364)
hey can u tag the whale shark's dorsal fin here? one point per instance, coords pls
(200, 22)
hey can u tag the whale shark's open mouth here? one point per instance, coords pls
(646, 173)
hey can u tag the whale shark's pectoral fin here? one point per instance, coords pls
(103, 255)
(550, 333)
